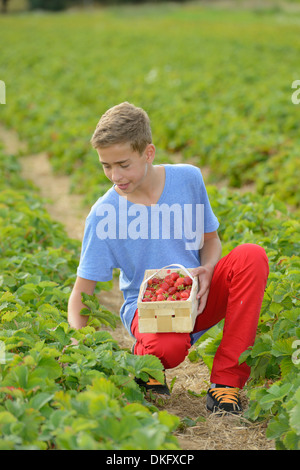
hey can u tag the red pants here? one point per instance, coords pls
(236, 294)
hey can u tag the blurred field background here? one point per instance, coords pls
(215, 78)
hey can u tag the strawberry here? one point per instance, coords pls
(165, 286)
(172, 290)
(184, 294)
(179, 282)
(172, 287)
(160, 291)
(169, 280)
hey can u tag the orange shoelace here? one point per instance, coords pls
(226, 395)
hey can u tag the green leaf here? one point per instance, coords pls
(262, 346)
(291, 440)
(143, 366)
(283, 347)
(20, 375)
(6, 418)
(40, 399)
(9, 316)
(97, 311)
(282, 291)
(50, 366)
(168, 420)
(44, 284)
(102, 385)
(277, 427)
(276, 393)
(60, 335)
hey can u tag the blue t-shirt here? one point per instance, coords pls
(135, 237)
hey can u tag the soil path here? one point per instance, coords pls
(210, 432)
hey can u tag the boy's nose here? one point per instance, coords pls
(116, 175)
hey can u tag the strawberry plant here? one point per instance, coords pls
(274, 382)
(238, 119)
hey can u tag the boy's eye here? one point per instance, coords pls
(106, 167)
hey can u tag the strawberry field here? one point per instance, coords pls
(217, 84)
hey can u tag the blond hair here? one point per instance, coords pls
(121, 124)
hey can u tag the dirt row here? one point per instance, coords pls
(209, 432)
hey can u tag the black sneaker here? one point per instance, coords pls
(222, 399)
(155, 387)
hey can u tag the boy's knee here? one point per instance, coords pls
(255, 255)
(171, 350)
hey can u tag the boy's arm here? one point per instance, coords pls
(75, 304)
(210, 254)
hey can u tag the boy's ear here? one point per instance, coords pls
(150, 153)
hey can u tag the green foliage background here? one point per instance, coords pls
(217, 86)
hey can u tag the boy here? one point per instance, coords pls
(118, 234)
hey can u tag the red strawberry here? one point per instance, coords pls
(169, 280)
(187, 281)
(165, 286)
(184, 294)
(172, 290)
(160, 291)
(155, 280)
(179, 282)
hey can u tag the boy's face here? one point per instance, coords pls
(124, 167)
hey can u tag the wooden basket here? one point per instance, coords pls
(167, 316)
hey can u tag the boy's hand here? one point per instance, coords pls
(205, 274)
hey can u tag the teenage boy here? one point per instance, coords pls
(120, 233)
